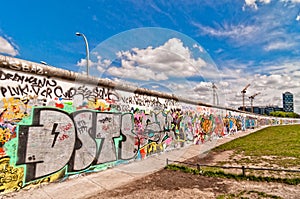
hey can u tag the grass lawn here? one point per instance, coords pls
(281, 142)
(276, 146)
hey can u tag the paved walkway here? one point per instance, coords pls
(88, 185)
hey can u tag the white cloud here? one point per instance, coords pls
(281, 78)
(172, 59)
(198, 47)
(260, 30)
(81, 63)
(228, 30)
(137, 73)
(101, 64)
(253, 3)
(203, 87)
(122, 81)
(285, 67)
(296, 74)
(220, 50)
(7, 48)
(278, 46)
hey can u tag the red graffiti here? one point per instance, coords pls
(67, 127)
(63, 137)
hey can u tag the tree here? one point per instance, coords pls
(284, 114)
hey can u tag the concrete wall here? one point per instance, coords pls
(56, 123)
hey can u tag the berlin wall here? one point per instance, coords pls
(56, 123)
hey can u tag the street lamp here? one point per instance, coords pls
(87, 51)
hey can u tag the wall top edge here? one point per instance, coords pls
(20, 65)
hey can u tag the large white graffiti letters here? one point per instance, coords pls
(86, 147)
(79, 140)
(55, 132)
(127, 145)
(108, 127)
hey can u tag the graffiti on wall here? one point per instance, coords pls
(52, 128)
(11, 178)
(45, 87)
(78, 140)
(53, 139)
(22, 65)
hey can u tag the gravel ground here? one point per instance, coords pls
(177, 184)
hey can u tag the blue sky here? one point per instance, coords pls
(174, 46)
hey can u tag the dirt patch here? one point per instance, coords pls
(176, 184)
(164, 182)
(230, 158)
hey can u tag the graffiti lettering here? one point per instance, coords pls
(10, 177)
(23, 85)
(97, 93)
(33, 80)
(54, 155)
(142, 100)
(86, 146)
(60, 93)
(52, 128)
(83, 141)
(19, 65)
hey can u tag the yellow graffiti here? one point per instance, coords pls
(13, 110)
(238, 124)
(5, 135)
(10, 177)
(49, 179)
(152, 147)
(206, 125)
(98, 105)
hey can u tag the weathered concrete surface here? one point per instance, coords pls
(91, 184)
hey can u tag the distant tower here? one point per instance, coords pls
(215, 95)
(288, 102)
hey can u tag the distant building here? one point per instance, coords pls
(288, 106)
(262, 110)
(256, 109)
(269, 109)
(288, 102)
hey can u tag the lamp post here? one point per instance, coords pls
(87, 51)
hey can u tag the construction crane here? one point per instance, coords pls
(215, 95)
(243, 94)
(251, 100)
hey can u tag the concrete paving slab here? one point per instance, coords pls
(109, 179)
(143, 167)
(72, 189)
(34, 193)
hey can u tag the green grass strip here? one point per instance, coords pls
(221, 174)
(280, 141)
